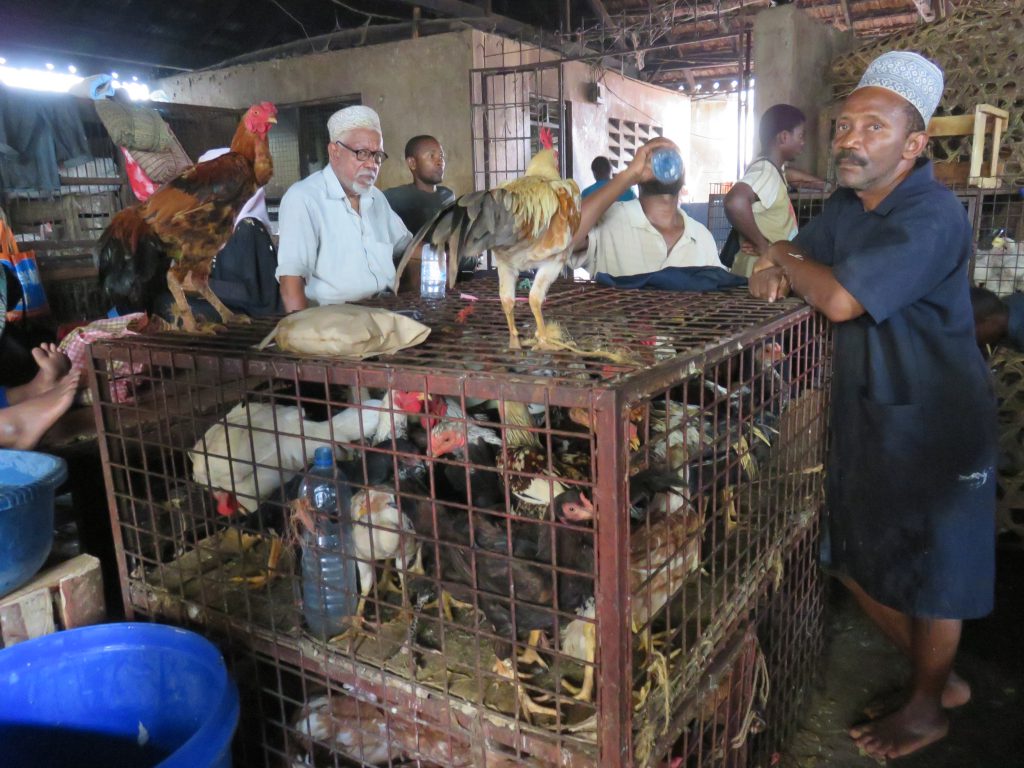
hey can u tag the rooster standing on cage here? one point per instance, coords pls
(173, 237)
(527, 222)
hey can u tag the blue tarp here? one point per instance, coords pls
(697, 279)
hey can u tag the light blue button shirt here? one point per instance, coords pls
(342, 255)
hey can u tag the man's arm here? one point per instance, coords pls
(799, 178)
(739, 210)
(293, 293)
(297, 249)
(787, 267)
(594, 206)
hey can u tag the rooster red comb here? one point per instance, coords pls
(546, 139)
(260, 117)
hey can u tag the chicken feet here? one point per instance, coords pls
(183, 312)
(273, 559)
(586, 691)
(506, 669)
(530, 655)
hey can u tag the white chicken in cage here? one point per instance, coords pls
(1000, 267)
(259, 447)
(381, 531)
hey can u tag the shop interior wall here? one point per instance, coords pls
(417, 86)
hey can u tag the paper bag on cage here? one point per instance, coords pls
(346, 330)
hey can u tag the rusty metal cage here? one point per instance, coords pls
(579, 539)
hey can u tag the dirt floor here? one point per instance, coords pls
(988, 732)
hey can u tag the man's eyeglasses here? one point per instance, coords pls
(362, 155)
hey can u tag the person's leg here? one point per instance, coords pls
(897, 627)
(931, 645)
(53, 364)
(22, 425)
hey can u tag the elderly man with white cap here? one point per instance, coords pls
(911, 487)
(339, 236)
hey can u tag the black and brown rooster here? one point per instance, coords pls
(171, 239)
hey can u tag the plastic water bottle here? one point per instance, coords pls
(433, 273)
(667, 165)
(329, 579)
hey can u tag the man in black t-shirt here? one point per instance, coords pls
(417, 203)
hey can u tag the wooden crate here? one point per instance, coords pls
(66, 596)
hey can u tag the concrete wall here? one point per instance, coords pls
(423, 86)
(417, 86)
(792, 53)
(626, 100)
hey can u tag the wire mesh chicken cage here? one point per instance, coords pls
(997, 216)
(553, 553)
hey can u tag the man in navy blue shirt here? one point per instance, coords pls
(911, 485)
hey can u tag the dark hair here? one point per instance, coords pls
(985, 303)
(775, 120)
(412, 146)
(601, 168)
(915, 120)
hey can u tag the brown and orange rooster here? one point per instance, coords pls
(527, 222)
(174, 235)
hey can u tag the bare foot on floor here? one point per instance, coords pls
(956, 693)
(53, 364)
(904, 732)
(29, 420)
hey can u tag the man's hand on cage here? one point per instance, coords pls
(769, 282)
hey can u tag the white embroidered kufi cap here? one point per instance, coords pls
(909, 75)
(350, 118)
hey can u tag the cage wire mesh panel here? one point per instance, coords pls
(999, 229)
(556, 554)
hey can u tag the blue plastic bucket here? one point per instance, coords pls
(27, 484)
(124, 695)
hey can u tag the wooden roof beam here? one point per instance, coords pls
(474, 15)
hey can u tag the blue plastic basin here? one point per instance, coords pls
(116, 695)
(27, 483)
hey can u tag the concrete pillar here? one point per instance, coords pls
(792, 54)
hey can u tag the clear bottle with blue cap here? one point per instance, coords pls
(329, 578)
(667, 165)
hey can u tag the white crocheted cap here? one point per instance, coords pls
(909, 75)
(349, 118)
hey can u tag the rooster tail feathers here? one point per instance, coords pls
(132, 263)
(436, 231)
(409, 250)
